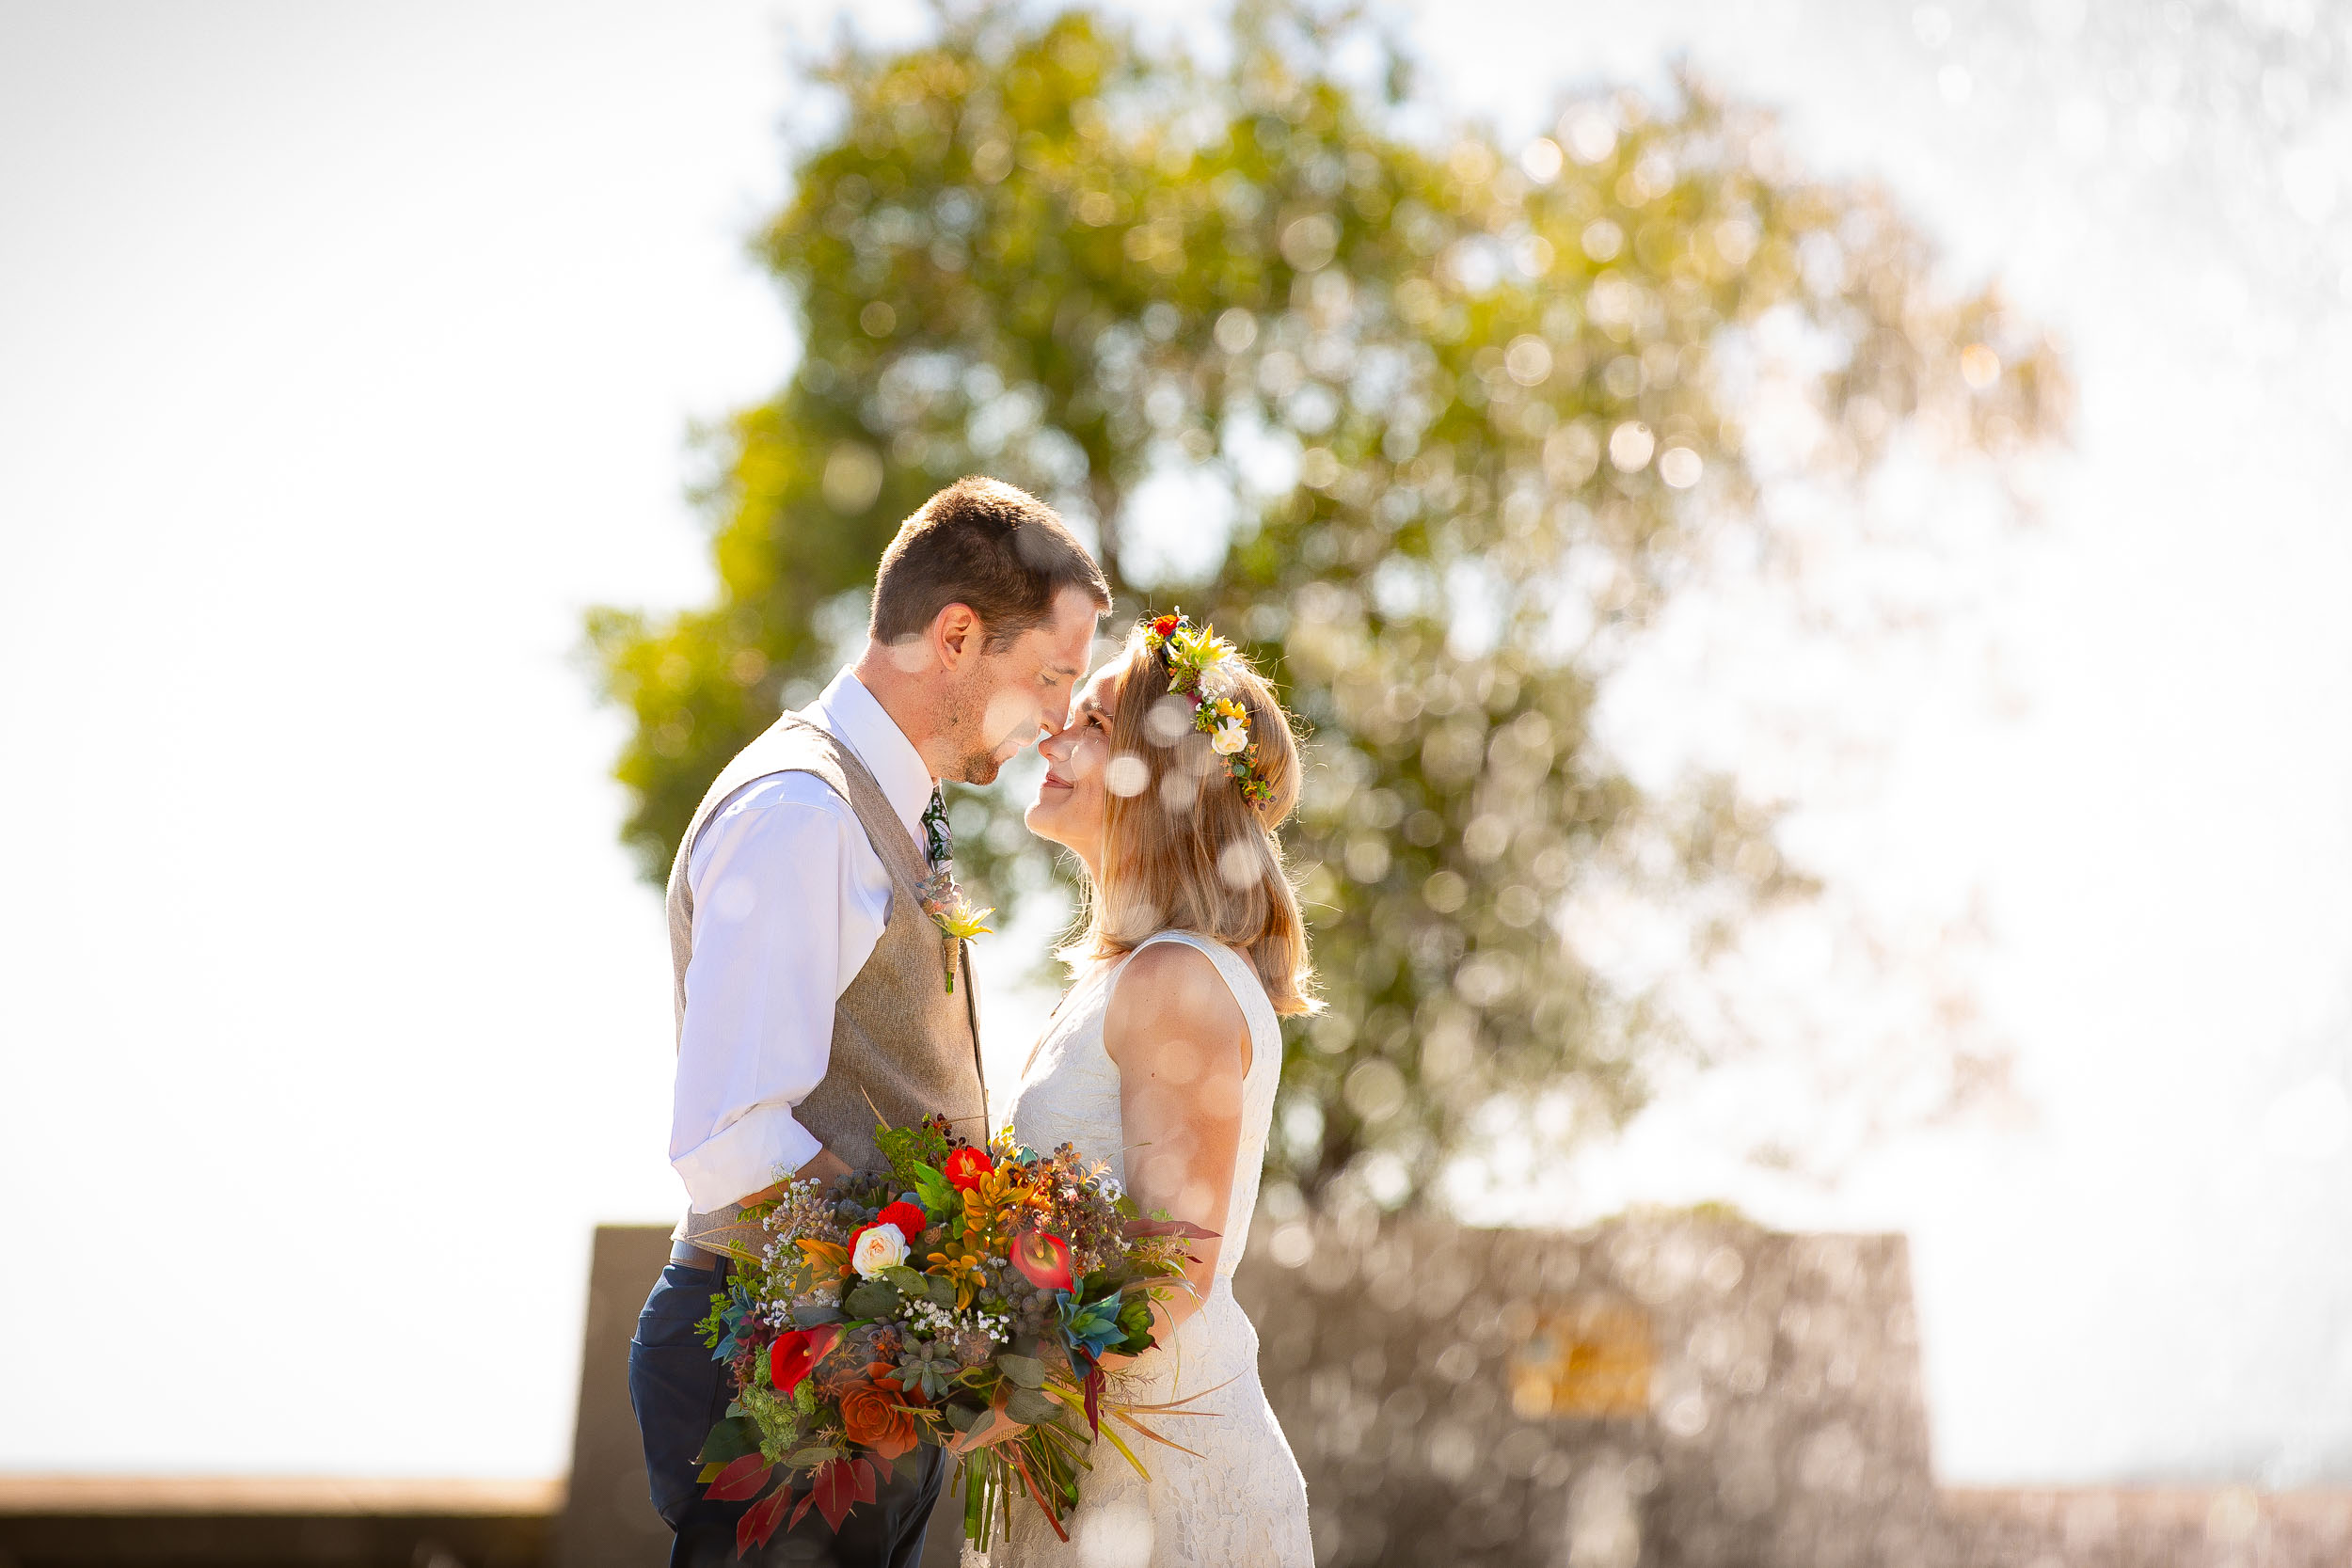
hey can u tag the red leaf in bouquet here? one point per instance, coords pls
(1043, 1260)
(906, 1216)
(966, 1166)
(796, 1351)
(741, 1479)
(756, 1527)
(1094, 1396)
(841, 1484)
(1136, 1230)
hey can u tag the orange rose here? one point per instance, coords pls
(871, 1416)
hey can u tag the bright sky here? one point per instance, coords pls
(349, 355)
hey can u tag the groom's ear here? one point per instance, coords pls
(957, 635)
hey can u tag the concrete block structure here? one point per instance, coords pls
(1674, 1391)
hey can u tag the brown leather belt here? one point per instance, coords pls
(693, 1257)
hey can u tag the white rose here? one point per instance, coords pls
(1229, 737)
(882, 1246)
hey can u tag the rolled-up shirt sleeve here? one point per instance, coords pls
(782, 919)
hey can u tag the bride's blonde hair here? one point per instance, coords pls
(1182, 849)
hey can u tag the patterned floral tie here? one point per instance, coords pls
(939, 840)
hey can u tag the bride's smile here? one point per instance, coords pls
(1069, 808)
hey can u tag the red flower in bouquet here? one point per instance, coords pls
(796, 1351)
(1043, 1260)
(966, 1165)
(906, 1216)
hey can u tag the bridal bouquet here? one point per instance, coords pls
(965, 1299)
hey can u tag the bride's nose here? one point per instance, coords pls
(1052, 743)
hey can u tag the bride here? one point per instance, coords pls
(1168, 785)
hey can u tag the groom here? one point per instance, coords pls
(812, 988)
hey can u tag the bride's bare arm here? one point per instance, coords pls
(1183, 1048)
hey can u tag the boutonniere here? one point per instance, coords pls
(953, 913)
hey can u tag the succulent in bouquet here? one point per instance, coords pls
(964, 1299)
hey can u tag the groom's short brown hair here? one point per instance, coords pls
(983, 543)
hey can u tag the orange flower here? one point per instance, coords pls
(871, 1416)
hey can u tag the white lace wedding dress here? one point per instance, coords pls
(1242, 1504)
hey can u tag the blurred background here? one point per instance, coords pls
(1810, 539)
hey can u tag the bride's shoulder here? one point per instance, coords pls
(1172, 983)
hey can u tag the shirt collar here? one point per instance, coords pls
(852, 716)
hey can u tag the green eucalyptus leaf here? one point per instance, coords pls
(732, 1438)
(1026, 1371)
(1030, 1407)
(872, 1298)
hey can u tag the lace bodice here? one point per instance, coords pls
(1237, 1499)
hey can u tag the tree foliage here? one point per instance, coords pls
(1461, 413)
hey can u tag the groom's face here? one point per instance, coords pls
(1005, 700)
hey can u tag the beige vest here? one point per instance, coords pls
(903, 1045)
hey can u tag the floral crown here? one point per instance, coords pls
(1204, 667)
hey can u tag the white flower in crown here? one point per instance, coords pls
(1219, 681)
(879, 1247)
(1230, 739)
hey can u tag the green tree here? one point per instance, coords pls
(1463, 413)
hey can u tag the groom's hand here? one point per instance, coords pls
(822, 1166)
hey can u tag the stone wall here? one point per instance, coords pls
(2229, 1526)
(1669, 1392)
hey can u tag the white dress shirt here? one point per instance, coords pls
(789, 900)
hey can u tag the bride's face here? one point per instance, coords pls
(1069, 797)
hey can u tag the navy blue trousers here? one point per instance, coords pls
(679, 1394)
